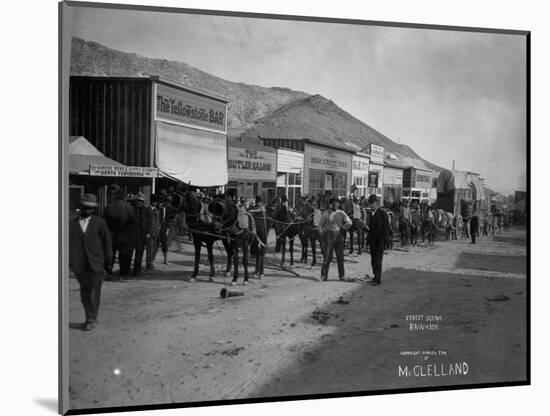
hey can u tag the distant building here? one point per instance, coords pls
(376, 170)
(251, 168)
(418, 185)
(324, 168)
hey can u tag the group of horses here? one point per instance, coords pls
(218, 219)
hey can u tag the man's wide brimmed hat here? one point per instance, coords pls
(140, 197)
(372, 199)
(89, 200)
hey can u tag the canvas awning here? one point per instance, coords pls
(82, 154)
(190, 155)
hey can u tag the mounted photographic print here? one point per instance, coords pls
(266, 208)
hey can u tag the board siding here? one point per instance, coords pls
(115, 116)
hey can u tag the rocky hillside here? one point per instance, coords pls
(254, 110)
(247, 102)
(318, 118)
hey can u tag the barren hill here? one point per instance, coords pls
(247, 102)
(255, 110)
(318, 118)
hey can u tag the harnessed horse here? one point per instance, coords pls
(258, 245)
(308, 230)
(234, 235)
(201, 231)
(285, 228)
(357, 224)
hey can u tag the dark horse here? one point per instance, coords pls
(202, 230)
(308, 230)
(357, 223)
(404, 230)
(258, 245)
(234, 234)
(285, 225)
(416, 224)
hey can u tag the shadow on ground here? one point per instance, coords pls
(493, 262)
(371, 334)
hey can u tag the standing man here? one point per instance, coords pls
(119, 216)
(333, 224)
(474, 227)
(153, 241)
(170, 212)
(142, 230)
(377, 237)
(164, 227)
(90, 255)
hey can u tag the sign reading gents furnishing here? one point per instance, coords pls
(251, 164)
(191, 109)
(124, 171)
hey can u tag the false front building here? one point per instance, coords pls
(151, 122)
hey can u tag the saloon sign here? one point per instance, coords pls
(251, 164)
(179, 106)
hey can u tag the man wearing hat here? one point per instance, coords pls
(333, 224)
(119, 216)
(90, 255)
(153, 241)
(142, 230)
(377, 237)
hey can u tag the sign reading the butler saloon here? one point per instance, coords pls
(251, 164)
(192, 109)
(125, 171)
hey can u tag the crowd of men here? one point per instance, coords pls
(129, 230)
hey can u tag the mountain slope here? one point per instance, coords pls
(247, 102)
(255, 110)
(318, 118)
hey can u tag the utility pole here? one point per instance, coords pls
(453, 165)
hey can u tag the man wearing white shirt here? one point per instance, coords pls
(332, 225)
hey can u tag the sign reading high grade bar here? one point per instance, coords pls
(191, 109)
(251, 164)
(124, 171)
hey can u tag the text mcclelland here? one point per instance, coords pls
(434, 370)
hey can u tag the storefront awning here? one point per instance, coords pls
(82, 154)
(190, 155)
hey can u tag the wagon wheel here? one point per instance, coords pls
(459, 226)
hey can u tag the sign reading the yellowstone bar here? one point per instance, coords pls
(251, 164)
(179, 106)
(124, 171)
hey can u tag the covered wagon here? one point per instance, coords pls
(461, 194)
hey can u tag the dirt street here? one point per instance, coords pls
(447, 314)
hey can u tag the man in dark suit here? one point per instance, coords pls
(90, 255)
(474, 227)
(119, 216)
(377, 237)
(141, 230)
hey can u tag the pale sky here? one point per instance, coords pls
(449, 95)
